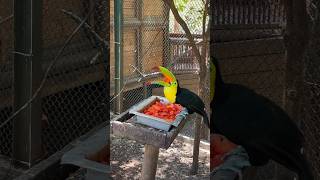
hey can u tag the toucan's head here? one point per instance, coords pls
(169, 83)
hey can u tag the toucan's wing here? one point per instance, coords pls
(259, 125)
(192, 102)
(187, 97)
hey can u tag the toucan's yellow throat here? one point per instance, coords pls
(169, 83)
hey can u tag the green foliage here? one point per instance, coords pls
(181, 4)
(192, 12)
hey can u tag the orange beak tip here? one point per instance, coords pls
(167, 80)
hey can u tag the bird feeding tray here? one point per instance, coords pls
(152, 121)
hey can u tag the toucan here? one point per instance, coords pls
(263, 128)
(175, 94)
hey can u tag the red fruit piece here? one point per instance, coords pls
(167, 112)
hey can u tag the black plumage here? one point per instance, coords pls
(192, 102)
(263, 128)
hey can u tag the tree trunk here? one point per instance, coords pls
(203, 73)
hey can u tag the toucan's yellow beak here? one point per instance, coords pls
(169, 82)
(168, 76)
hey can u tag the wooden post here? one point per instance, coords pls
(150, 161)
(196, 146)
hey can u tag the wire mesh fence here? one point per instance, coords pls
(153, 37)
(75, 96)
(76, 91)
(6, 69)
(144, 25)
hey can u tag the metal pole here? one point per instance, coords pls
(118, 25)
(27, 76)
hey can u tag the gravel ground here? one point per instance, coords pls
(174, 163)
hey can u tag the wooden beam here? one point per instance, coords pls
(248, 48)
(150, 22)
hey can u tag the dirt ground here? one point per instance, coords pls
(174, 163)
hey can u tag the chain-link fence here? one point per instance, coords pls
(153, 37)
(144, 28)
(6, 71)
(75, 96)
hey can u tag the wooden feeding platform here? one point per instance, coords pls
(125, 126)
(153, 139)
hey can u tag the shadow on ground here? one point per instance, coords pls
(174, 163)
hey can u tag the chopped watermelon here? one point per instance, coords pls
(167, 112)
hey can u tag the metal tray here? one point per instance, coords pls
(152, 121)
